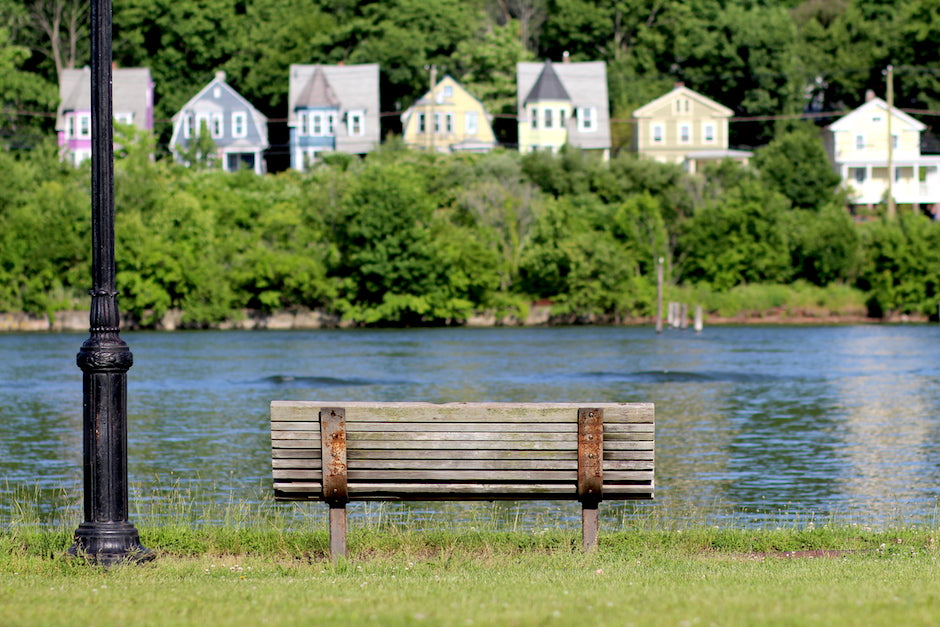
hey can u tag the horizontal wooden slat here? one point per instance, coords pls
(459, 412)
(461, 464)
(484, 427)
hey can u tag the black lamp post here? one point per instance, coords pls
(106, 537)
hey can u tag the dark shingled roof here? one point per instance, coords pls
(547, 86)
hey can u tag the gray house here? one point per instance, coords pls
(564, 103)
(332, 107)
(238, 130)
(132, 103)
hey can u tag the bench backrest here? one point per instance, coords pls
(339, 451)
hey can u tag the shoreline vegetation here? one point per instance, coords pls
(408, 239)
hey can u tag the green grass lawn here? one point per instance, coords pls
(260, 574)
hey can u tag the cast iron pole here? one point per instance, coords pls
(106, 537)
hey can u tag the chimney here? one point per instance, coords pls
(678, 84)
(565, 57)
(869, 95)
(220, 75)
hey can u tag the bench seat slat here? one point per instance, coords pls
(517, 476)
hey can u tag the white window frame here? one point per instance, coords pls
(709, 133)
(449, 123)
(70, 126)
(422, 127)
(547, 122)
(303, 124)
(658, 133)
(316, 124)
(534, 117)
(587, 119)
(188, 129)
(894, 141)
(859, 142)
(239, 124)
(217, 125)
(685, 133)
(84, 126)
(124, 117)
(356, 123)
(437, 123)
(562, 118)
(330, 124)
(470, 123)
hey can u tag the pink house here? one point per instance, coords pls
(132, 103)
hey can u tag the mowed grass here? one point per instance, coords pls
(260, 574)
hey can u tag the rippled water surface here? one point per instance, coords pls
(752, 422)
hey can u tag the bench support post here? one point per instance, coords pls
(337, 531)
(335, 486)
(590, 472)
(590, 526)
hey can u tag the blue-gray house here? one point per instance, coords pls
(332, 108)
(239, 132)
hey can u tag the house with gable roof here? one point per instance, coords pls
(238, 130)
(685, 127)
(857, 146)
(131, 103)
(448, 119)
(332, 108)
(561, 104)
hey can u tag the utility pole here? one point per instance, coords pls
(432, 123)
(892, 210)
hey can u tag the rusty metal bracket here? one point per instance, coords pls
(333, 440)
(590, 455)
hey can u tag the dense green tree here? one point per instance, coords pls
(21, 94)
(741, 238)
(901, 269)
(795, 164)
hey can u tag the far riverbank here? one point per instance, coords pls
(538, 315)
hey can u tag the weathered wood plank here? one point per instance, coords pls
(460, 464)
(549, 455)
(282, 443)
(463, 464)
(486, 427)
(449, 436)
(461, 412)
(295, 453)
(295, 425)
(508, 445)
(462, 475)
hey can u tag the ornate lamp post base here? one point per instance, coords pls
(109, 543)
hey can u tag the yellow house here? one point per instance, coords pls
(564, 104)
(684, 127)
(448, 119)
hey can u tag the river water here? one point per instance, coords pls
(753, 423)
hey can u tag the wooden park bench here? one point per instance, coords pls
(339, 452)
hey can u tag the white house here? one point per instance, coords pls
(857, 145)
